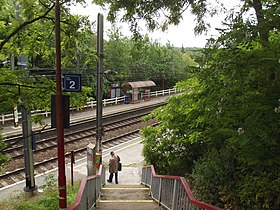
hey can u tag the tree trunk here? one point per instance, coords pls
(262, 26)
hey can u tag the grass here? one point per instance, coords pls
(46, 200)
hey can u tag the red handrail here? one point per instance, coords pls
(187, 189)
(77, 202)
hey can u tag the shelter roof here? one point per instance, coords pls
(139, 84)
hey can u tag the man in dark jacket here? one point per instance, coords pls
(113, 167)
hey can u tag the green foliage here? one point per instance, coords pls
(143, 59)
(263, 187)
(227, 124)
(27, 27)
(50, 182)
(17, 87)
(48, 200)
(152, 12)
(221, 166)
(3, 158)
(231, 184)
(8, 93)
(167, 146)
(80, 99)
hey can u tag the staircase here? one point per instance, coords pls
(126, 197)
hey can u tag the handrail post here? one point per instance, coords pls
(175, 196)
(145, 178)
(159, 192)
(151, 184)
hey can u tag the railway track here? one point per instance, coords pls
(16, 152)
(45, 157)
(46, 132)
(50, 163)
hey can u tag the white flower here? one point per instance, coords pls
(240, 131)
(277, 109)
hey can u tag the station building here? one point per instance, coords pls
(138, 91)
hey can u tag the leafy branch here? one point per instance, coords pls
(19, 28)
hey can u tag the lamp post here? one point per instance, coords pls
(99, 78)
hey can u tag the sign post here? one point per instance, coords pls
(59, 113)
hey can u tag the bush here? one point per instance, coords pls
(48, 200)
(221, 179)
(214, 177)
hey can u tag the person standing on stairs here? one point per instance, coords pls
(113, 167)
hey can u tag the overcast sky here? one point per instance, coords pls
(182, 34)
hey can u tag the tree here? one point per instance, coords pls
(161, 14)
(158, 13)
(17, 17)
(118, 53)
(17, 88)
(142, 59)
(27, 27)
(224, 129)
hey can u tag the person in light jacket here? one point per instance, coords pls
(113, 167)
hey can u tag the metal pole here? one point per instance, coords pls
(15, 111)
(28, 153)
(99, 76)
(59, 114)
(72, 168)
(12, 63)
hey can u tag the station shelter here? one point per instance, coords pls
(138, 91)
(115, 90)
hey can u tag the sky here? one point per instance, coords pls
(178, 36)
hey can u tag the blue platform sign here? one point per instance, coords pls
(72, 83)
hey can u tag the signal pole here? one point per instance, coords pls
(99, 77)
(59, 114)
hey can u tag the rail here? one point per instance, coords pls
(172, 192)
(90, 104)
(89, 191)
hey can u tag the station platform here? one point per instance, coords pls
(130, 153)
(87, 113)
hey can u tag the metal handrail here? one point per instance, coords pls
(172, 192)
(89, 191)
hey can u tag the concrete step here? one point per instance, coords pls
(121, 197)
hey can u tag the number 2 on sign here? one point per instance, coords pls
(72, 84)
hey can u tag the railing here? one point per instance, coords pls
(89, 191)
(90, 104)
(163, 92)
(172, 192)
